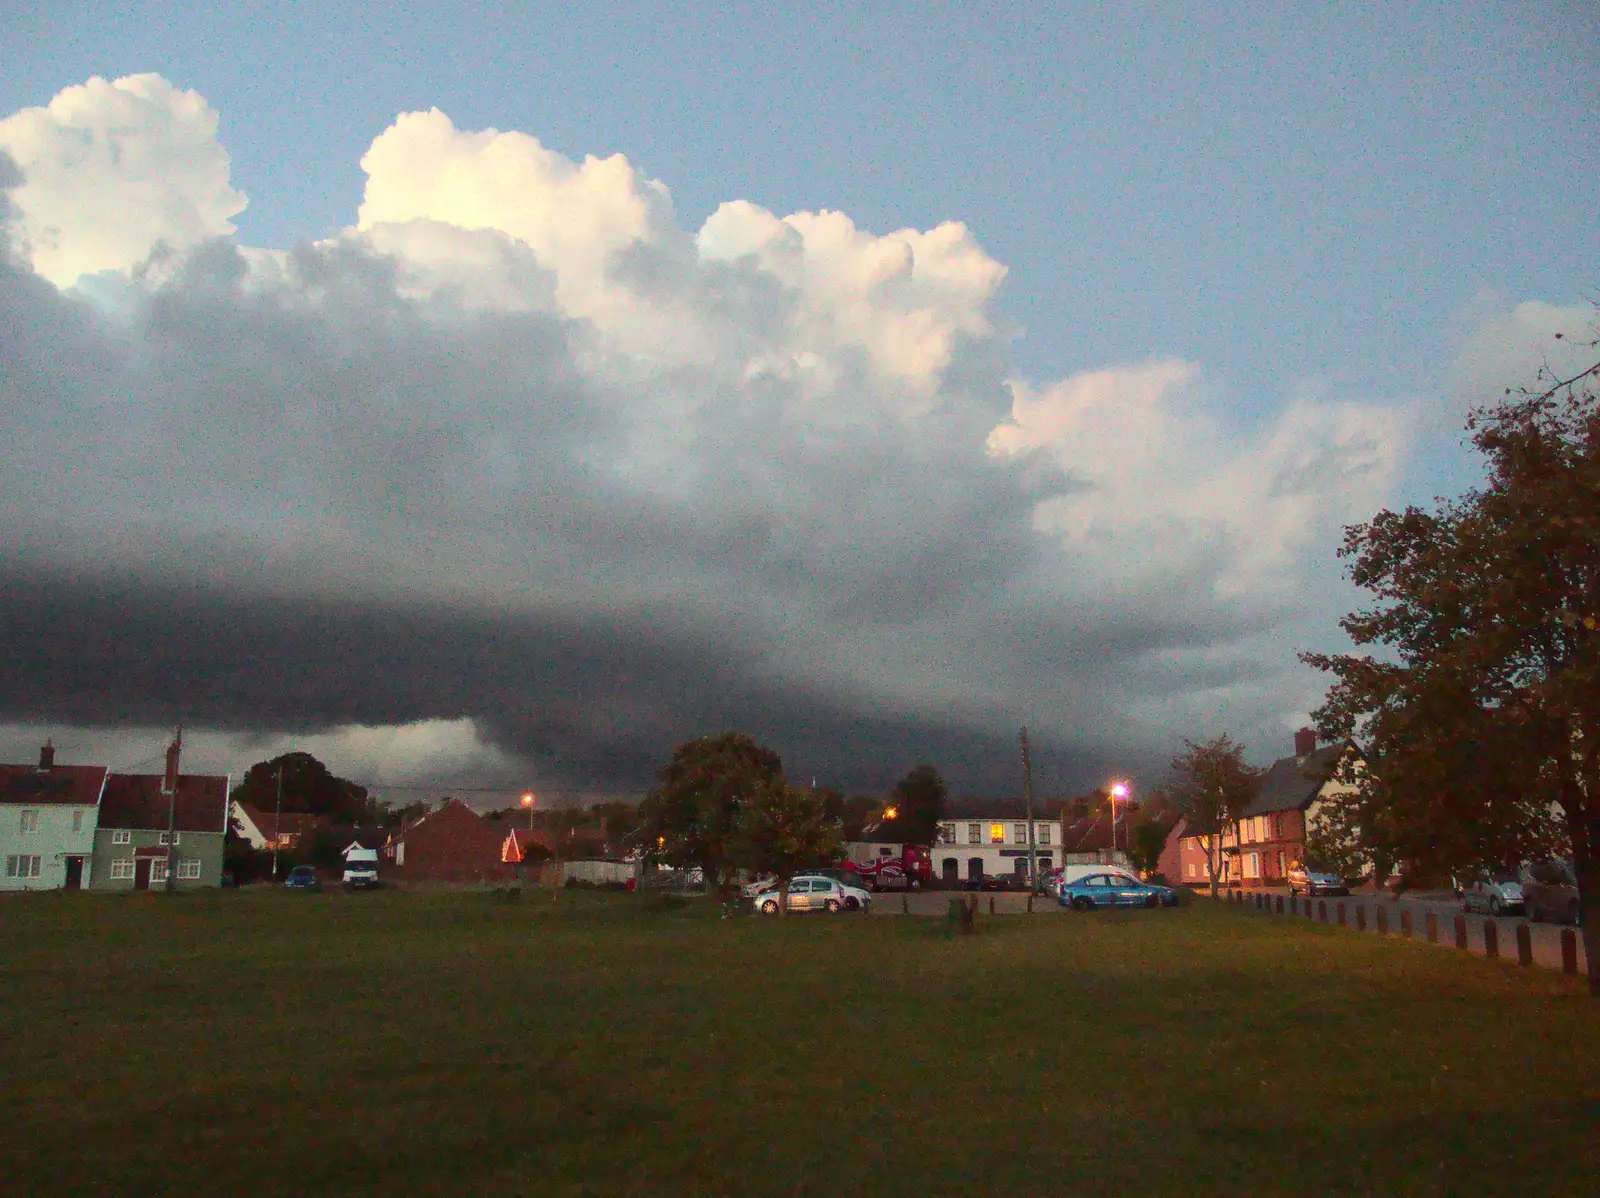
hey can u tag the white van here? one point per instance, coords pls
(360, 868)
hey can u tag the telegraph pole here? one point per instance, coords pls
(1027, 797)
(277, 818)
(170, 781)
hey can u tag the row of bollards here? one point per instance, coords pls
(1491, 929)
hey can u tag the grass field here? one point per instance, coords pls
(262, 1043)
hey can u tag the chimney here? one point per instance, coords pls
(1305, 741)
(169, 783)
(47, 757)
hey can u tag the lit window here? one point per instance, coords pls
(974, 833)
(188, 870)
(122, 868)
(1020, 833)
(997, 833)
(30, 820)
(1044, 833)
(122, 836)
(77, 821)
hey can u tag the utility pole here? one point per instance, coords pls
(169, 781)
(277, 818)
(1027, 798)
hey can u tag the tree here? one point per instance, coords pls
(308, 786)
(1213, 784)
(1146, 842)
(917, 801)
(782, 829)
(1481, 716)
(690, 816)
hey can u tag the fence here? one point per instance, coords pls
(1532, 944)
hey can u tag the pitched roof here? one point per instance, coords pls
(72, 785)
(136, 801)
(291, 823)
(1292, 783)
(963, 808)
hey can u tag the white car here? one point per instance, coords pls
(815, 894)
(759, 887)
(1497, 893)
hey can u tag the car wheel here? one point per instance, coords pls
(1083, 904)
(852, 904)
(1495, 906)
(769, 908)
(833, 906)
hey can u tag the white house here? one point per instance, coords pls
(990, 836)
(48, 816)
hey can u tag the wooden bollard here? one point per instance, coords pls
(1491, 938)
(1383, 920)
(1361, 919)
(1433, 928)
(1258, 902)
(1340, 907)
(1524, 946)
(1030, 904)
(1280, 904)
(991, 904)
(1461, 931)
(1569, 951)
(1322, 911)
(1308, 906)
(905, 904)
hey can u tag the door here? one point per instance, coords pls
(975, 867)
(951, 869)
(141, 874)
(74, 873)
(800, 895)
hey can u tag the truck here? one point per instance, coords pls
(360, 868)
(878, 865)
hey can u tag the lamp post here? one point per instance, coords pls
(1119, 790)
(527, 801)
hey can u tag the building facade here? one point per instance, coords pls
(991, 836)
(48, 815)
(450, 844)
(140, 814)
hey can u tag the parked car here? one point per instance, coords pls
(303, 877)
(856, 896)
(1114, 890)
(1498, 893)
(805, 894)
(1550, 892)
(760, 886)
(1314, 881)
(984, 882)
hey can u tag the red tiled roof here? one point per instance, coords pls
(73, 785)
(136, 801)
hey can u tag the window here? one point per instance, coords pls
(30, 820)
(947, 833)
(1019, 833)
(974, 833)
(122, 836)
(997, 833)
(22, 867)
(175, 837)
(77, 821)
(886, 851)
(122, 868)
(158, 869)
(189, 870)
(1044, 833)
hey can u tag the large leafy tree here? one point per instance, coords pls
(689, 818)
(917, 801)
(1212, 783)
(308, 786)
(783, 829)
(1481, 710)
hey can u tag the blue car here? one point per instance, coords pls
(1114, 890)
(302, 877)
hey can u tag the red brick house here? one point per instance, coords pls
(1270, 837)
(451, 844)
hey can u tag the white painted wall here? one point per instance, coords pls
(53, 843)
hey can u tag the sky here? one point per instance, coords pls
(495, 403)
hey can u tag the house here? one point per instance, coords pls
(269, 829)
(452, 843)
(48, 815)
(990, 836)
(1269, 838)
(141, 813)
(1170, 866)
(523, 845)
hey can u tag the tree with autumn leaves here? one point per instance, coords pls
(1478, 698)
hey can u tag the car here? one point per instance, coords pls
(760, 886)
(1306, 881)
(1550, 892)
(985, 882)
(806, 894)
(303, 877)
(856, 896)
(1497, 892)
(1114, 889)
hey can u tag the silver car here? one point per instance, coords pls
(1497, 893)
(806, 894)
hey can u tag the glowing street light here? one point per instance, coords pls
(891, 812)
(527, 801)
(1119, 790)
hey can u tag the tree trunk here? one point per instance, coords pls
(783, 897)
(1583, 830)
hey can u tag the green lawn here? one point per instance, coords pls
(414, 1044)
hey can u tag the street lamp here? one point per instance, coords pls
(1119, 790)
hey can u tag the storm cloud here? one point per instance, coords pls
(515, 447)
